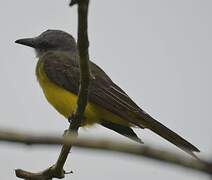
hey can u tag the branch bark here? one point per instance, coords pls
(56, 171)
(104, 145)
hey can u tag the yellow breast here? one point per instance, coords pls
(64, 101)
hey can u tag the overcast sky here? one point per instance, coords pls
(159, 52)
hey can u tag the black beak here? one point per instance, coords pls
(27, 42)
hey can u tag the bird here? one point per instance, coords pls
(58, 73)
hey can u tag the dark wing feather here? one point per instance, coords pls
(107, 94)
(123, 130)
(63, 70)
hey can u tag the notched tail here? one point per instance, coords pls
(168, 134)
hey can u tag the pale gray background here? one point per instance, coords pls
(159, 52)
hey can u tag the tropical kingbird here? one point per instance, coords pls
(58, 74)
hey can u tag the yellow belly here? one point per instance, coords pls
(64, 102)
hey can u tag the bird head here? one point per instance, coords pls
(50, 40)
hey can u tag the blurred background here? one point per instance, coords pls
(159, 52)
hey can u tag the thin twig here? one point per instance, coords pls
(56, 171)
(105, 145)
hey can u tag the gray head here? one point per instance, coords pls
(50, 40)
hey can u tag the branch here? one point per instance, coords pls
(83, 45)
(104, 145)
(56, 171)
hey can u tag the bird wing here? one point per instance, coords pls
(64, 71)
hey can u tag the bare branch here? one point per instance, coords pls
(83, 45)
(105, 145)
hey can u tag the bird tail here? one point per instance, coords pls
(163, 131)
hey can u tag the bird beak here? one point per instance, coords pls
(27, 42)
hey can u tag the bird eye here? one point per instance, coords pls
(46, 45)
